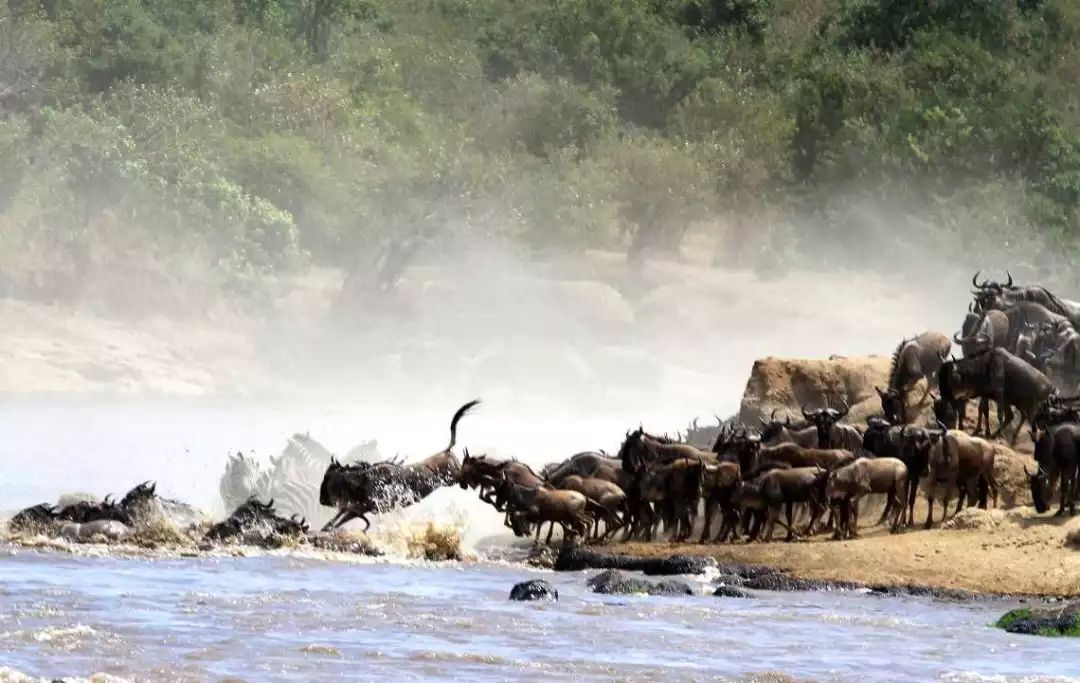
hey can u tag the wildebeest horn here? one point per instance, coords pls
(879, 391)
(974, 279)
(719, 421)
(1010, 282)
(942, 427)
(762, 421)
(956, 338)
(772, 415)
(694, 423)
(1029, 474)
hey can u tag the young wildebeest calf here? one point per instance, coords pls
(866, 475)
(959, 460)
(789, 486)
(537, 505)
(609, 498)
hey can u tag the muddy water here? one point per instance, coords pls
(303, 617)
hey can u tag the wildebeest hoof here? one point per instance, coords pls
(536, 589)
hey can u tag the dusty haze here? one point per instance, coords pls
(566, 351)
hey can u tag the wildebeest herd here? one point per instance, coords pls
(1018, 350)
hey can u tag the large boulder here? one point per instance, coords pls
(613, 582)
(1059, 620)
(536, 589)
(575, 558)
(788, 384)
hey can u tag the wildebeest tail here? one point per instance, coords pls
(461, 412)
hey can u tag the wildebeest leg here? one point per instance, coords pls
(710, 510)
(945, 500)
(816, 512)
(853, 528)
(551, 530)
(1020, 425)
(332, 524)
(930, 490)
(788, 511)
(838, 529)
(770, 522)
(912, 493)
(888, 508)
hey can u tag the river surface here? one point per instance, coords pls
(289, 618)
(302, 616)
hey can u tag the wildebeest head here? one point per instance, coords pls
(892, 405)
(476, 471)
(824, 419)
(747, 447)
(633, 452)
(990, 294)
(1040, 488)
(771, 428)
(329, 489)
(142, 493)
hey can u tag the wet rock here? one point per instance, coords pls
(536, 589)
(726, 591)
(576, 558)
(542, 556)
(613, 582)
(1063, 620)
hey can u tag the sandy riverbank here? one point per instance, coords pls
(1014, 551)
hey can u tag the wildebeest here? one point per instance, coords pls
(786, 487)
(717, 487)
(776, 431)
(990, 294)
(1057, 457)
(256, 523)
(674, 490)
(538, 504)
(959, 461)
(363, 488)
(918, 358)
(999, 375)
(142, 503)
(35, 519)
(830, 432)
(848, 484)
(609, 498)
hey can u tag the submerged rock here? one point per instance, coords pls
(536, 589)
(726, 591)
(576, 558)
(612, 582)
(1043, 621)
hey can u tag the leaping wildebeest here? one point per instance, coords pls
(914, 359)
(361, 489)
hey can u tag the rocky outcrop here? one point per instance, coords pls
(612, 582)
(787, 384)
(575, 558)
(536, 589)
(1059, 620)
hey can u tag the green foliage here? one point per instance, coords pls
(253, 135)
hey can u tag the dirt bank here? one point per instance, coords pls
(1011, 551)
